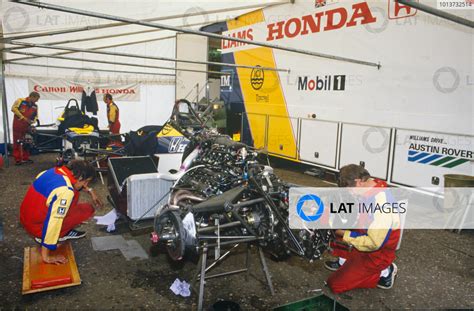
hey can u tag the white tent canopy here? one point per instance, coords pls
(20, 20)
(31, 25)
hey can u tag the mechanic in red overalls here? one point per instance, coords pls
(50, 211)
(370, 263)
(25, 115)
(112, 115)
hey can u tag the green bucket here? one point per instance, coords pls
(320, 303)
(458, 181)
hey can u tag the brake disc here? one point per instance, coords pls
(169, 227)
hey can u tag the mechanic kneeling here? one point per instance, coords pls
(370, 262)
(50, 212)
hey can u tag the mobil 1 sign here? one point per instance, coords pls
(421, 158)
(322, 83)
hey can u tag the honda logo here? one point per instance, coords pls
(397, 10)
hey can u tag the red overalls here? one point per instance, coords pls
(21, 127)
(34, 210)
(362, 269)
(113, 115)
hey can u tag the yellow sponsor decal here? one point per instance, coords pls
(265, 103)
(168, 131)
(263, 96)
(258, 127)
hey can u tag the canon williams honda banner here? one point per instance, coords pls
(379, 208)
(61, 89)
(329, 113)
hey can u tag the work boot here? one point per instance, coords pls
(387, 282)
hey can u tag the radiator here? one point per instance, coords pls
(143, 193)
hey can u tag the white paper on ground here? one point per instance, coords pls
(108, 219)
(180, 288)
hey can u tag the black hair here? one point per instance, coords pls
(108, 96)
(82, 169)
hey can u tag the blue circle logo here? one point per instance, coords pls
(310, 197)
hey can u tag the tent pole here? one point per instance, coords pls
(6, 127)
(47, 46)
(13, 61)
(194, 32)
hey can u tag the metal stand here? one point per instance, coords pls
(202, 269)
(100, 173)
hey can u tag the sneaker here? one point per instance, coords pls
(72, 235)
(38, 240)
(18, 163)
(332, 265)
(387, 282)
(28, 161)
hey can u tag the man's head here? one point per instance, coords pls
(107, 98)
(83, 171)
(354, 175)
(34, 97)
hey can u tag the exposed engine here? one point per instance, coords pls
(226, 197)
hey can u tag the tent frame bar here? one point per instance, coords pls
(87, 28)
(47, 46)
(95, 48)
(191, 31)
(101, 37)
(92, 69)
(142, 79)
(13, 61)
(436, 12)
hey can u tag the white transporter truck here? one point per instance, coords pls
(401, 104)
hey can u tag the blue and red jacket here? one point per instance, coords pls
(46, 204)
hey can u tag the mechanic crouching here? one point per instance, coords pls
(369, 263)
(50, 211)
